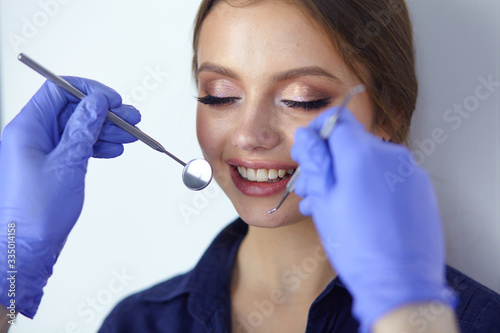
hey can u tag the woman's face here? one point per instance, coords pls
(264, 70)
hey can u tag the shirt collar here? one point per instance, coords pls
(210, 281)
(212, 274)
(208, 284)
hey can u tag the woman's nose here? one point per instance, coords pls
(255, 130)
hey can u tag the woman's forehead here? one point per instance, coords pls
(266, 35)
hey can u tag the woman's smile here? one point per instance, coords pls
(260, 178)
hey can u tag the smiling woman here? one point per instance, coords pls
(263, 69)
(346, 253)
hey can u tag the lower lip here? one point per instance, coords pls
(256, 189)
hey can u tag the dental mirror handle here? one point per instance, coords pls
(133, 130)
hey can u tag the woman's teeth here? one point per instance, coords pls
(264, 175)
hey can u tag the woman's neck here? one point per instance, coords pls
(287, 261)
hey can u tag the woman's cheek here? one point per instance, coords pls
(202, 131)
(211, 133)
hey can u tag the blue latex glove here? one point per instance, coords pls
(382, 233)
(43, 161)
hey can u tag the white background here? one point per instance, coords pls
(132, 222)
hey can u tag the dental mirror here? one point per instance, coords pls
(196, 175)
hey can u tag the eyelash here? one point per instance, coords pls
(306, 106)
(217, 101)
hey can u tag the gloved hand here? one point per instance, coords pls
(376, 214)
(43, 161)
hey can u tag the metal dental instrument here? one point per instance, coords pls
(324, 132)
(197, 173)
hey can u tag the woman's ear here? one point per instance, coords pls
(383, 134)
(385, 128)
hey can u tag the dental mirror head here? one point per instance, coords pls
(197, 174)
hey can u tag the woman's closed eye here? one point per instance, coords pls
(217, 101)
(308, 106)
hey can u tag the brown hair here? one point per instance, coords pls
(375, 40)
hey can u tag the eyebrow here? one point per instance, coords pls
(211, 67)
(283, 76)
(304, 71)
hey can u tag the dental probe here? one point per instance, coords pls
(196, 174)
(324, 133)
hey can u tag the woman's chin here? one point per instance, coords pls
(253, 206)
(258, 215)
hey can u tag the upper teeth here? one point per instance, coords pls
(263, 175)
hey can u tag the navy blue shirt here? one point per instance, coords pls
(199, 301)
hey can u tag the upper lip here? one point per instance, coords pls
(261, 164)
